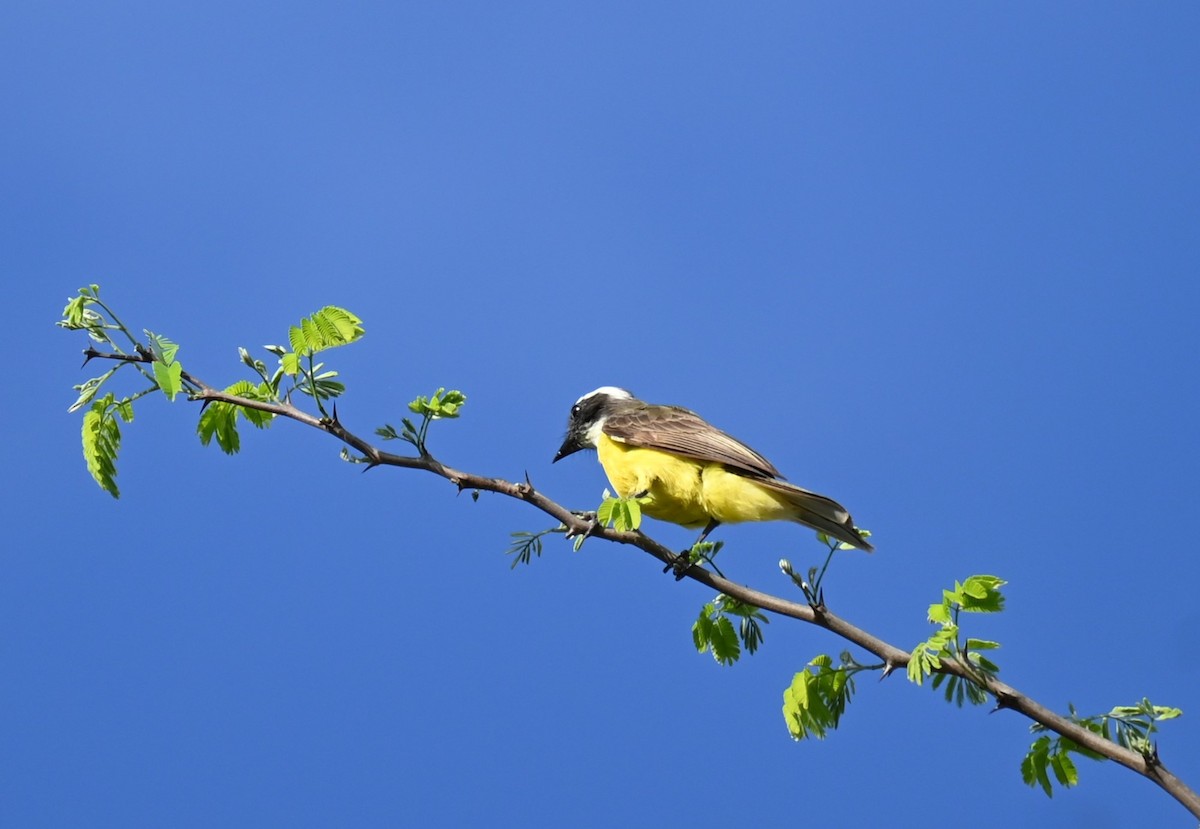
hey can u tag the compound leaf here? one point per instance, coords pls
(102, 440)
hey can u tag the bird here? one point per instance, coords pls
(686, 471)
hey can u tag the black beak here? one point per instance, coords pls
(570, 447)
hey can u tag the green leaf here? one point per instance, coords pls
(1064, 769)
(1033, 767)
(633, 514)
(72, 314)
(1042, 778)
(1130, 725)
(815, 701)
(410, 430)
(702, 629)
(751, 634)
(984, 664)
(604, 513)
(89, 388)
(257, 417)
(447, 403)
(164, 350)
(79, 315)
(525, 546)
(102, 440)
(714, 630)
(323, 387)
(219, 420)
(724, 642)
(981, 644)
(327, 328)
(168, 376)
(795, 703)
(751, 620)
(940, 641)
(167, 371)
(262, 393)
(918, 667)
(981, 594)
(927, 656)
(290, 363)
(960, 691)
(443, 404)
(622, 514)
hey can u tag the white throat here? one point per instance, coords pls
(594, 431)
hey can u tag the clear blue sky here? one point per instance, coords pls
(937, 261)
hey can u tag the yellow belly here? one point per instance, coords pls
(685, 491)
(731, 498)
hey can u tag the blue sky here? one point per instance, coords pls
(936, 261)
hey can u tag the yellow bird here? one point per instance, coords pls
(691, 473)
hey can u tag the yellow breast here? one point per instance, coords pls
(673, 485)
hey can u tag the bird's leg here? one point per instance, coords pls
(712, 525)
(683, 561)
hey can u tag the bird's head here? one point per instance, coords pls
(587, 418)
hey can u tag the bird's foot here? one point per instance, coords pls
(680, 565)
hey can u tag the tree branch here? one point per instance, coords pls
(1007, 697)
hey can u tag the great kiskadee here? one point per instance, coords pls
(689, 472)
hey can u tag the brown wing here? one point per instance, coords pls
(683, 432)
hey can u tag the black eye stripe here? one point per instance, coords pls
(587, 410)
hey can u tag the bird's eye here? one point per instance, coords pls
(575, 410)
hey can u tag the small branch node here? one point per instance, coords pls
(1004, 701)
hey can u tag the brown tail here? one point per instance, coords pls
(820, 513)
